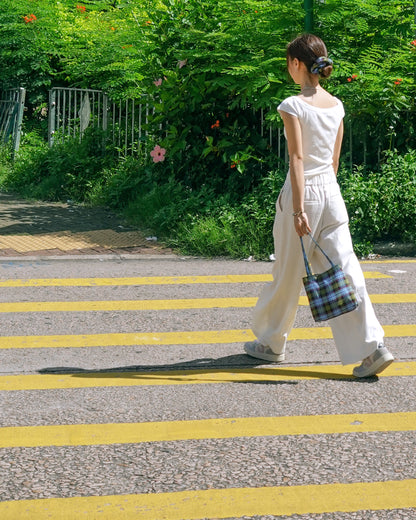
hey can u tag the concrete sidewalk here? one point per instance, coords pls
(32, 228)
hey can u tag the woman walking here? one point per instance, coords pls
(311, 202)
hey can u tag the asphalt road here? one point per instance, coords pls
(125, 393)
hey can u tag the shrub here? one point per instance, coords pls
(382, 205)
(239, 230)
(69, 170)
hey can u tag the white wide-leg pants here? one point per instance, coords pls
(358, 333)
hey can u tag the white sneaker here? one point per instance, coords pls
(375, 363)
(257, 350)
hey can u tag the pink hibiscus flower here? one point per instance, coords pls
(158, 154)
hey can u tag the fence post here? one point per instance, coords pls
(19, 119)
(105, 112)
(51, 116)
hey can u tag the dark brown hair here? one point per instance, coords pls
(307, 49)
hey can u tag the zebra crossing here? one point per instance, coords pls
(168, 419)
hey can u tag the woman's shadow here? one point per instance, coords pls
(240, 364)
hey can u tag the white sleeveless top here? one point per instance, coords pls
(319, 131)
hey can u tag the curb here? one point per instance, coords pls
(102, 258)
(394, 249)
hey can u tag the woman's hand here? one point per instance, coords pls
(302, 224)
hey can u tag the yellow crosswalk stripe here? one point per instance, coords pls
(131, 433)
(174, 338)
(145, 280)
(87, 379)
(152, 280)
(393, 298)
(221, 503)
(391, 261)
(177, 304)
(131, 305)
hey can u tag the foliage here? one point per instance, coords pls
(201, 61)
(6, 163)
(372, 44)
(240, 231)
(69, 170)
(382, 205)
(207, 80)
(207, 68)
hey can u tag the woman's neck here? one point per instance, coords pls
(309, 87)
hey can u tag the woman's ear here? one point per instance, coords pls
(296, 63)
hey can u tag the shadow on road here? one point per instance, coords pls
(240, 366)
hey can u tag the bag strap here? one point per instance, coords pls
(305, 258)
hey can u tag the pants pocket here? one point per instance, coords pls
(279, 202)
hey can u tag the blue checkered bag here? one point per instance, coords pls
(330, 294)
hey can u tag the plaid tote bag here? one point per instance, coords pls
(330, 294)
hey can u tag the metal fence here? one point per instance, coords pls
(128, 125)
(275, 137)
(72, 111)
(12, 104)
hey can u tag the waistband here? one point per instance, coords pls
(321, 179)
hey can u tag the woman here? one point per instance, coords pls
(311, 202)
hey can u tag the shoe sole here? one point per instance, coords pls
(384, 363)
(278, 358)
